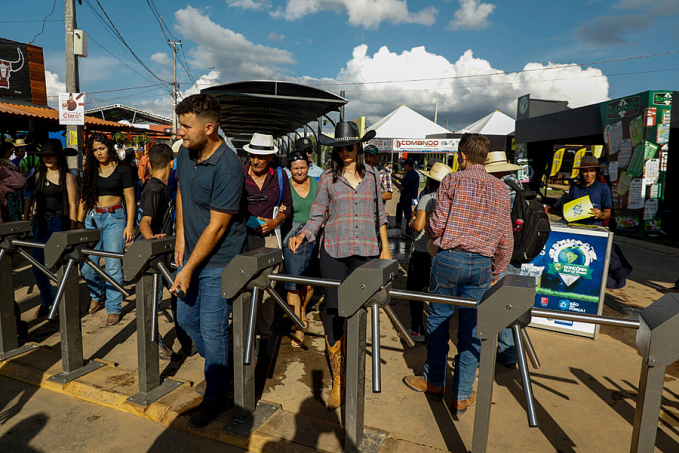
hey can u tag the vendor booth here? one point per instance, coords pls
(405, 131)
(635, 136)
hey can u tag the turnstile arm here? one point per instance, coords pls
(60, 289)
(105, 276)
(377, 364)
(37, 265)
(252, 322)
(168, 278)
(284, 305)
(398, 325)
(154, 311)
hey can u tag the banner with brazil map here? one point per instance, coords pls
(571, 273)
(637, 134)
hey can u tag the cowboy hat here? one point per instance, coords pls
(20, 142)
(53, 147)
(496, 162)
(261, 144)
(589, 162)
(176, 145)
(346, 133)
(438, 171)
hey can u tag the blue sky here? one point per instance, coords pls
(450, 47)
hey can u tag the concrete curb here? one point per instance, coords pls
(666, 249)
(110, 386)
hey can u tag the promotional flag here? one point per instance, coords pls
(576, 162)
(556, 162)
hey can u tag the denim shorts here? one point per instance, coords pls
(297, 263)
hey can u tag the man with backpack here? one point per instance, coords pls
(525, 222)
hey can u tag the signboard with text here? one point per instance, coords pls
(571, 273)
(430, 145)
(72, 109)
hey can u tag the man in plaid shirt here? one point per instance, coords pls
(472, 228)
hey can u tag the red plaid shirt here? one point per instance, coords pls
(472, 214)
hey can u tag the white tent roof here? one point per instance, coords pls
(406, 123)
(497, 123)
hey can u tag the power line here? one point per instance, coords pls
(29, 21)
(490, 74)
(43, 22)
(121, 61)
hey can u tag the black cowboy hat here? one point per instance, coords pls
(52, 147)
(346, 133)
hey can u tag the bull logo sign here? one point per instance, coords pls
(8, 67)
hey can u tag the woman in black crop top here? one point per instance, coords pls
(54, 209)
(105, 183)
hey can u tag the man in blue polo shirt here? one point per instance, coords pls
(210, 233)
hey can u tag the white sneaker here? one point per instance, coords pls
(416, 337)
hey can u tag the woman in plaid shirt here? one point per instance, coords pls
(349, 204)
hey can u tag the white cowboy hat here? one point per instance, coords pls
(437, 172)
(497, 162)
(176, 145)
(261, 144)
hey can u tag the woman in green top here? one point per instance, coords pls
(303, 196)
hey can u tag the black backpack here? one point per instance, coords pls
(532, 237)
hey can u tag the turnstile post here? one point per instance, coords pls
(8, 326)
(244, 375)
(354, 394)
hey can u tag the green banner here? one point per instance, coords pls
(570, 269)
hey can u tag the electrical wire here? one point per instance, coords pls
(43, 22)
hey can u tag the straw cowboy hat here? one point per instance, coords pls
(20, 142)
(346, 133)
(437, 172)
(497, 162)
(53, 147)
(589, 162)
(261, 144)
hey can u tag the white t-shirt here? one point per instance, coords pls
(428, 204)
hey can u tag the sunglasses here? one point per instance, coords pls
(295, 157)
(347, 147)
(257, 198)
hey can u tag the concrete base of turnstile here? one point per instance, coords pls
(64, 378)
(18, 351)
(245, 428)
(165, 387)
(372, 440)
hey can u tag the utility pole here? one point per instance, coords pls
(73, 133)
(342, 94)
(175, 85)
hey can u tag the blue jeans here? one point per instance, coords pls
(506, 352)
(204, 314)
(460, 274)
(41, 280)
(112, 226)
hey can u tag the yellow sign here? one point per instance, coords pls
(72, 138)
(556, 163)
(597, 150)
(578, 209)
(456, 164)
(576, 162)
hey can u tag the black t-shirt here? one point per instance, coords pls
(113, 185)
(156, 203)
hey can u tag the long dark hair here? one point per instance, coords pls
(338, 164)
(88, 183)
(40, 200)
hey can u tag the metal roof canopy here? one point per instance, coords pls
(118, 112)
(271, 107)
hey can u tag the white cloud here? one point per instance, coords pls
(253, 5)
(464, 89)
(162, 59)
(275, 37)
(230, 53)
(472, 15)
(364, 13)
(54, 87)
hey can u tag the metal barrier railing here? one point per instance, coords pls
(145, 263)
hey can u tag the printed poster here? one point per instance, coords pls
(636, 130)
(72, 109)
(663, 135)
(614, 137)
(569, 273)
(625, 152)
(613, 170)
(623, 185)
(650, 209)
(651, 171)
(635, 200)
(645, 150)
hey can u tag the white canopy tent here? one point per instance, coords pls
(496, 123)
(406, 130)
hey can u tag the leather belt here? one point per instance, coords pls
(113, 208)
(52, 215)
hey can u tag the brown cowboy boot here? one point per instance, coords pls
(336, 354)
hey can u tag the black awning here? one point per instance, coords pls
(271, 107)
